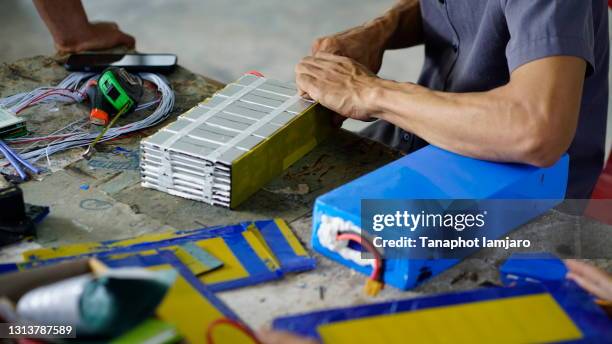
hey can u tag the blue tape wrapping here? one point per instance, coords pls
(289, 260)
(532, 268)
(258, 271)
(432, 173)
(577, 304)
(8, 267)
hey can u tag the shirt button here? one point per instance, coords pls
(441, 1)
(455, 47)
(406, 137)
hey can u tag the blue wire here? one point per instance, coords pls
(13, 162)
(23, 161)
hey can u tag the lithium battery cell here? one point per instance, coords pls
(226, 148)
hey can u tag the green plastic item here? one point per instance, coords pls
(114, 93)
(121, 298)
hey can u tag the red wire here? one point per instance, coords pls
(51, 92)
(46, 94)
(233, 323)
(368, 246)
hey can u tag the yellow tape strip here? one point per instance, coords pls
(191, 313)
(195, 266)
(261, 248)
(88, 247)
(231, 270)
(272, 156)
(523, 319)
(293, 241)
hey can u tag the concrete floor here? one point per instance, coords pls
(219, 38)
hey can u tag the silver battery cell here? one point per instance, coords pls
(193, 156)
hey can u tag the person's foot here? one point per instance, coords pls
(97, 36)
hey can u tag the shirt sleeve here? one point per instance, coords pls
(543, 28)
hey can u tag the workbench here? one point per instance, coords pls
(102, 199)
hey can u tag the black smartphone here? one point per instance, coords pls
(91, 62)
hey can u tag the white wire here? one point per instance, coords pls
(67, 91)
(15, 102)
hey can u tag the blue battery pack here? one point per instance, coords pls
(432, 173)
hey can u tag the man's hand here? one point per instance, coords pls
(592, 279)
(359, 44)
(97, 36)
(338, 83)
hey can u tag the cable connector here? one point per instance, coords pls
(373, 287)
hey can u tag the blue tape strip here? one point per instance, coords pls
(289, 261)
(250, 260)
(232, 235)
(532, 268)
(9, 267)
(258, 271)
(591, 320)
(201, 234)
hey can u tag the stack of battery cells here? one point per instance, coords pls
(226, 148)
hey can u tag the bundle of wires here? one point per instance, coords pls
(374, 283)
(73, 90)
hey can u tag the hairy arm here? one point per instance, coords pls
(71, 30)
(532, 119)
(399, 27)
(407, 28)
(66, 19)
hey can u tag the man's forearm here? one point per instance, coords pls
(519, 122)
(65, 19)
(399, 27)
(408, 30)
(472, 124)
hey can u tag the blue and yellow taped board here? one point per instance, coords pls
(529, 314)
(432, 173)
(250, 253)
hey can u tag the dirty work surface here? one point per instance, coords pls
(102, 199)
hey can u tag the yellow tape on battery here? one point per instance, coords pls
(273, 155)
(523, 319)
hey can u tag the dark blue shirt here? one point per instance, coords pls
(474, 45)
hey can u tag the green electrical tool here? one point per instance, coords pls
(116, 90)
(115, 93)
